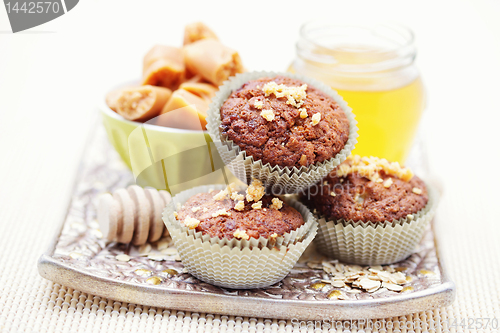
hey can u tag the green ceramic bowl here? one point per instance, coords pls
(165, 158)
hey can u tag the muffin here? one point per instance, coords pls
(287, 131)
(238, 239)
(370, 211)
(284, 122)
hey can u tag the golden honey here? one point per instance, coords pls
(372, 68)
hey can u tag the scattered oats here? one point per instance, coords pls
(295, 95)
(258, 104)
(162, 244)
(333, 194)
(316, 118)
(156, 257)
(409, 278)
(353, 291)
(145, 248)
(410, 217)
(400, 269)
(399, 277)
(257, 205)
(122, 257)
(338, 284)
(221, 212)
(191, 222)
(417, 190)
(314, 265)
(388, 183)
(239, 206)
(303, 113)
(379, 180)
(97, 233)
(221, 195)
(75, 255)
(255, 191)
(242, 234)
(195, 209)
(368, 284)
(276, 204)
(143, 272)
(267, 114)
(407, 288)
(155, 280)
(392, 286)
(377, 268)
(205, 209)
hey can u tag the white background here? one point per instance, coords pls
(52, 77)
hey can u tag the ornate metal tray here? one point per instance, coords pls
(154, 276)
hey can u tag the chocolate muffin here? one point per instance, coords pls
(284, 122)
(229, 213)
(368, 190)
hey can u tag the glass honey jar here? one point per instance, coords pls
(372, 66)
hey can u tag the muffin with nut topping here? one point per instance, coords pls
(237, 214)
(285, 122)
(370, 210)
(238, 238)
(285, 130)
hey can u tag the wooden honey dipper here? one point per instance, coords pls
(133, 214)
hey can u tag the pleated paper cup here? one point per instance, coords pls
(281, 180)
(286, 239)
(380, 243)
(236, 264)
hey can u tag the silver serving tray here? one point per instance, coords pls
(80, 259)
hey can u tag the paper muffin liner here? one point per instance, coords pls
(238, 265)
(375, 243)
(288, 238)
(281, 179)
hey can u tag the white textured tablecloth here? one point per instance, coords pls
(50, 81)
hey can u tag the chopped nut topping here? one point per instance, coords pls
(303, 160)
(410, 217)
(255, 191)
(176, 215)
(303, 113)
(195, 209)
(274, 235)
(276, 204)
(267, 114)
(221, 212)
(388, 183)
(295, 95)
(417, 190)
(257, 205)
(316, 118)
(221, 195)
(258, 104)
(242, 234)
(370, 167)
(239, 206)
(379, 180)
(191, 222)
(332, 194)
(205, 209)
(237, 197)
